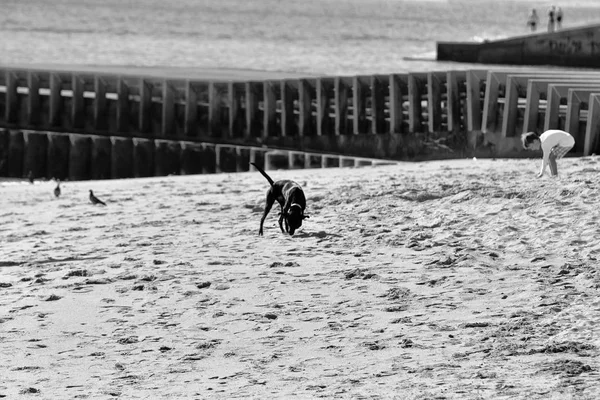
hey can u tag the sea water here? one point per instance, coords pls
(333, 37)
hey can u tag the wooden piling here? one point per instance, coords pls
(4, 143)
(323, 87)
(305, 121)
(77, 102)
(453, 101)
(257, 156)
(122, 106)
(251, 96)
(530, 119)
(434, 102)
(346, 162)
(288, 123)
(191, 158)
(11, 112)
(225, 158)
(243, 158)
(168, 109)
(378, 89)
(214, 110)
(145, 106)
(209, 158)
(414, 107)
(296, 159)
(56, 100)
(359, 100)
(35, 156)
(474, 79)
(395, 103)
(59, 146)
(80, 157)
(511, 104)
(100, 166)
(121, 158)
(490, 104)
(592, 131)
(313, 160)
(269, 110)
(331, 161)
(167, 157)
(16, 153)
(143, 157)
(191, 110)
(341, 90)
(276, 159)
(233, 101)
(100, 105)
(573, 109)
(33, 99)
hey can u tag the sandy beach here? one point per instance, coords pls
(464, 279)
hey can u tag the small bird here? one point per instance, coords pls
(30, 176)
(95, 200)
(57, 189)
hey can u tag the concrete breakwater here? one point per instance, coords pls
(574, 47)
(77, 157)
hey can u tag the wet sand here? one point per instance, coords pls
(464, 279)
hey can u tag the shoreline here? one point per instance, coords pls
(166, 71)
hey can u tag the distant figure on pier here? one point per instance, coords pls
(533, 20)
(551, 18)
(559, 18)
(554, 144)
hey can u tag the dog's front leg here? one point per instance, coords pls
(267, 209)
(281, 220)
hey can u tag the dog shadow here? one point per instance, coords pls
(318, 235)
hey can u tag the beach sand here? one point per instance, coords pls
(463, 279)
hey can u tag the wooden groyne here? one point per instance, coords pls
(159, 124)
(66, 156)
(328, 114)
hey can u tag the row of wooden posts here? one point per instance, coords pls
(51, 155)
(495, 103)
(171, 108)
(516, 103)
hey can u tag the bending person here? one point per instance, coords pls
(554, 144)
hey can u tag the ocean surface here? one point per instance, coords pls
(332, 37)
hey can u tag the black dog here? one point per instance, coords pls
(291, 199)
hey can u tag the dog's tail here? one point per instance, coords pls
(263, 173)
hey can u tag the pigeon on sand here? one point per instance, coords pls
(95, 200)
(57, 189)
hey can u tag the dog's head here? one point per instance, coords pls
(294, 218)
